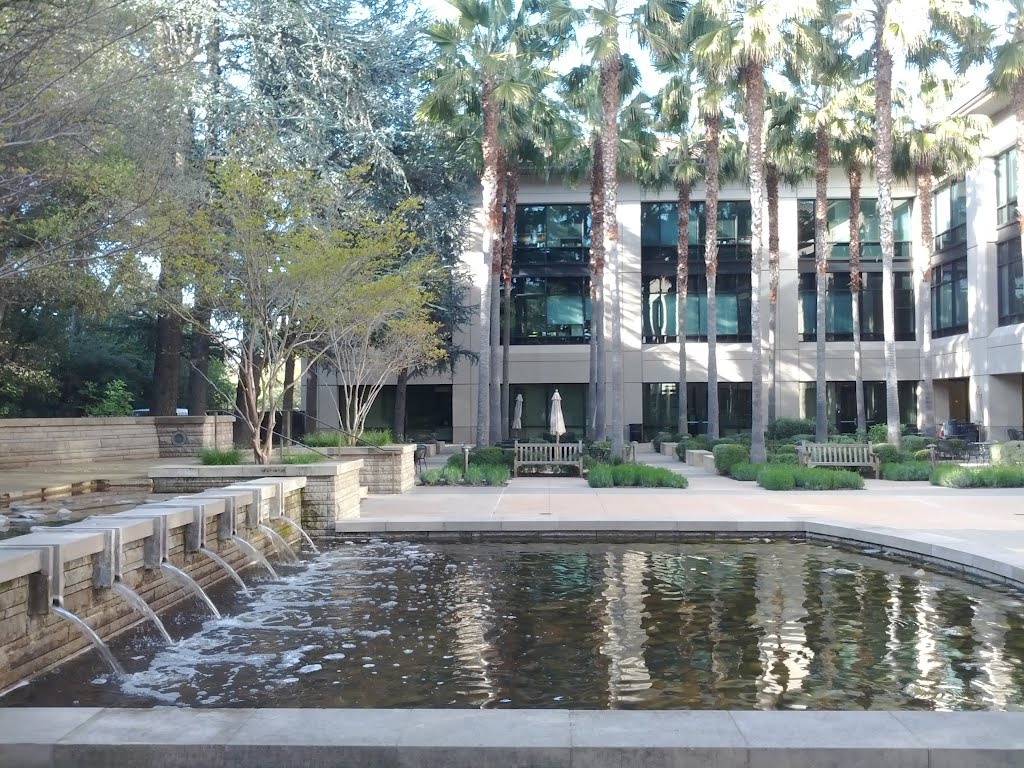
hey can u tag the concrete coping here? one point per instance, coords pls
(211, 506)
(369, 450)
(285, 485)
(175, 515)
(16, 562)
(431, 738)
(240, 495)
(69, 544)
(234, 472)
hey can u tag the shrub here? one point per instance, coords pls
(432, 477)
(214, 456)
(728, 454)
(492, 454)
(451, 475)
(323, 439)
(376, 437)
(776, 478)
(783, 478)
(923, 455)
(878, 433)
(601, 477)
(784, 458)
(115, 400)
(802, 438)
(494, 474)
(633, 475)
(661, 437)
(1006, 454)
(955, 476)
(953, 448)
(780, 429)
(847, 439)
(693, 443)
(909, 470)
(914, 443)
(305, 457)
(600, 450)
(789, 448)
(887, 454)
(745, 471)
(473, 476)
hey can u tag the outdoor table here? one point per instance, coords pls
(980, 450)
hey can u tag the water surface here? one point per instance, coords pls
(679, 626)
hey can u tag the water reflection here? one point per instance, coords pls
(702, 626)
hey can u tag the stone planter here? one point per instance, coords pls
(668, 449)
(385, 469)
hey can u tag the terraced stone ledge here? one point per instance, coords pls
(458, 738)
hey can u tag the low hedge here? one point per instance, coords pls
(480, 474)
(780, 429)
(1008, 454)
(780, 477)
(745, 472)
(488, 456)
(218, 457)
(908, 470)
(728, 454)
(955, 476)
(632, 476)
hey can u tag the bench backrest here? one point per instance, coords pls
(548, 452)
(839, 453)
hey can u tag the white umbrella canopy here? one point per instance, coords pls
(517, 413)
(557, 423)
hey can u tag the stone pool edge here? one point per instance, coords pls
(453, 738)
(953, 554)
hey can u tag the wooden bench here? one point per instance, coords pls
(839, 455)
(547, 454)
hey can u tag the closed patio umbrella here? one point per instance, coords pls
(517, 414)
(557, 422)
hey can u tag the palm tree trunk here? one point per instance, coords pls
(599, 363)
(611, 71)
(489, 189)
(883, 169)
(682, 280)
(508, 244)
(401, 399)
(855, 288)
(754, 78)
(821, 273)
(772, 184)
(494, 381)
(923, 261)
(713, 126)
(1018, 112)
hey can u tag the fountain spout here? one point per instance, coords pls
(93, 638)
(191, 584)
(227, 568)
(301, 531)
(280, 545)
(141, 607)
(255, 555)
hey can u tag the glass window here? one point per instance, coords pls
(552, 234)
(732, 308)
(949, 298)
(950, 215)
(839, 307)
(661, 407)
(868, 228)
(550, 310)
(841, 403)
(1011, 282)
(1006, 187)
(659, 231)
(537, 406)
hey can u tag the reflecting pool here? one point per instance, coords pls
(749, 625)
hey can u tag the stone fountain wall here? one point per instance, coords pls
(33, 640)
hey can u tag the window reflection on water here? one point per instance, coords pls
(687, 626)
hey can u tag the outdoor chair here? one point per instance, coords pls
(1015, 434)
(420, 458)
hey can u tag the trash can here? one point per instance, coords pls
(636, 433)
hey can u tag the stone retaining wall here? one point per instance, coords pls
(47, 442)
(331, 493)
(32, 639)
(386, 469)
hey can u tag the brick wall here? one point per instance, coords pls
(47, 442)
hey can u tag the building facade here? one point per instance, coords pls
(974, 279)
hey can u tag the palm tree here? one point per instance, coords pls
(786, 162)
(685, 169)
(854, 147)
(488, 53)
(581, 90)
(934, 147)
(648, 23)
(919, 34)
(1008, 77)
(745, 36)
